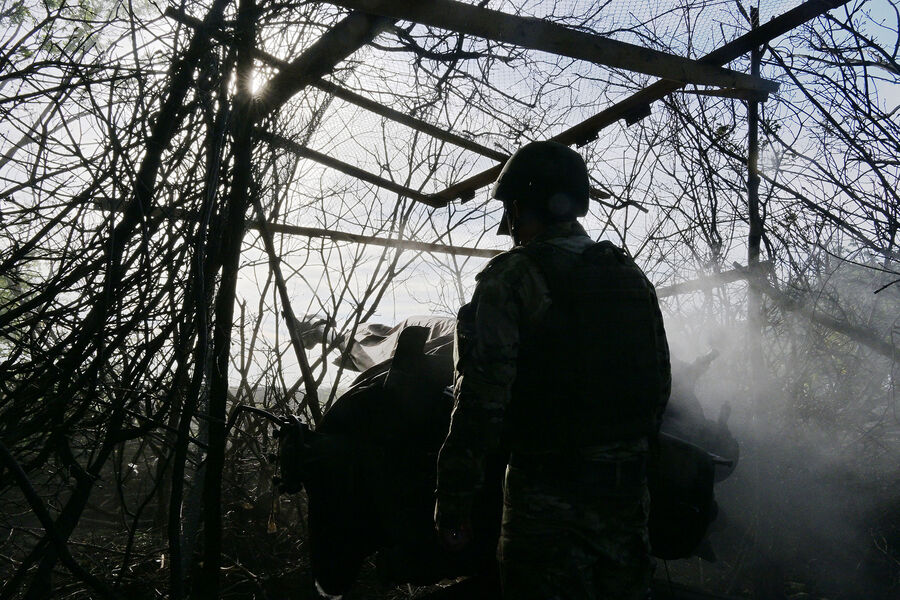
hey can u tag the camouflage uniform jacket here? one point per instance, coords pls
(510, 298)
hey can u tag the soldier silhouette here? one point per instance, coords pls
(561, 358)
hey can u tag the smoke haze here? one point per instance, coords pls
(812, 510)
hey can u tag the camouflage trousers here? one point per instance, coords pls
(571, 531)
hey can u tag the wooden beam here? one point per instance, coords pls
(352, 32)
(346, 168)
(639, 102)
(413, 122)
(342, 236)
(539, 34)
(332, 234)
(350, 96)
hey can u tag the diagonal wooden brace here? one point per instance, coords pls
(638, 104)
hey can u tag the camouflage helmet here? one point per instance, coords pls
(547, 177)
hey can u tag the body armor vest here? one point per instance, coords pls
(589, 374)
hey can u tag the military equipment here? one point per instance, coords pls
(369, 473)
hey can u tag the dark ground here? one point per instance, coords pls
(265, 554)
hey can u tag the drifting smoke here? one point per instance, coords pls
(812, 510)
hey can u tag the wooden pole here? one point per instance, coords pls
(767, 577)
(756, 223)
(207, 583)
(414, 123)
(332, 47)
(754, 239)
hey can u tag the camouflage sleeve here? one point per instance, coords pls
(509, 292)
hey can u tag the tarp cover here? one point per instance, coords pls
(375, 343)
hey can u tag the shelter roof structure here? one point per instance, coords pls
(368, 19)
